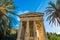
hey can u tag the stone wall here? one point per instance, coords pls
(40, 28)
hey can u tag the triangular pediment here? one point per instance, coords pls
(31, 14)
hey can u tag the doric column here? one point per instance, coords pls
(35, 31)
(27, 31)
(19, 31)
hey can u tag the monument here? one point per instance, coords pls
(31, 27)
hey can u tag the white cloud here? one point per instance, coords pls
(17, 25)
(58, 32)
(22, 12)
(18, 19)
(25, 11)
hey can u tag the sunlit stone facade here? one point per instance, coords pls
(31, 27)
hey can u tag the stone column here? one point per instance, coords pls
(35, 31)
(19, 31)
(27, 31)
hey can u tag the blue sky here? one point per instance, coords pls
(24, 6)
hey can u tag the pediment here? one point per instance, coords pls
(31, 14)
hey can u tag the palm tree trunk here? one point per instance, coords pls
(4, 32)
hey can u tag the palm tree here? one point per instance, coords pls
(7, 7)
(53, 12)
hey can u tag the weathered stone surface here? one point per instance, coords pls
(37, 20)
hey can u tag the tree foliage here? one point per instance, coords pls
(53, 36)
(53, 12)
(7, 8)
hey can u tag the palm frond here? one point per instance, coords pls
(58, 2)
(52, 20)
(52, 5)
(49, 7)
(49, 11)
(49, 17)
(58, 20)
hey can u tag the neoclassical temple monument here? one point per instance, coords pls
(32, 27)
